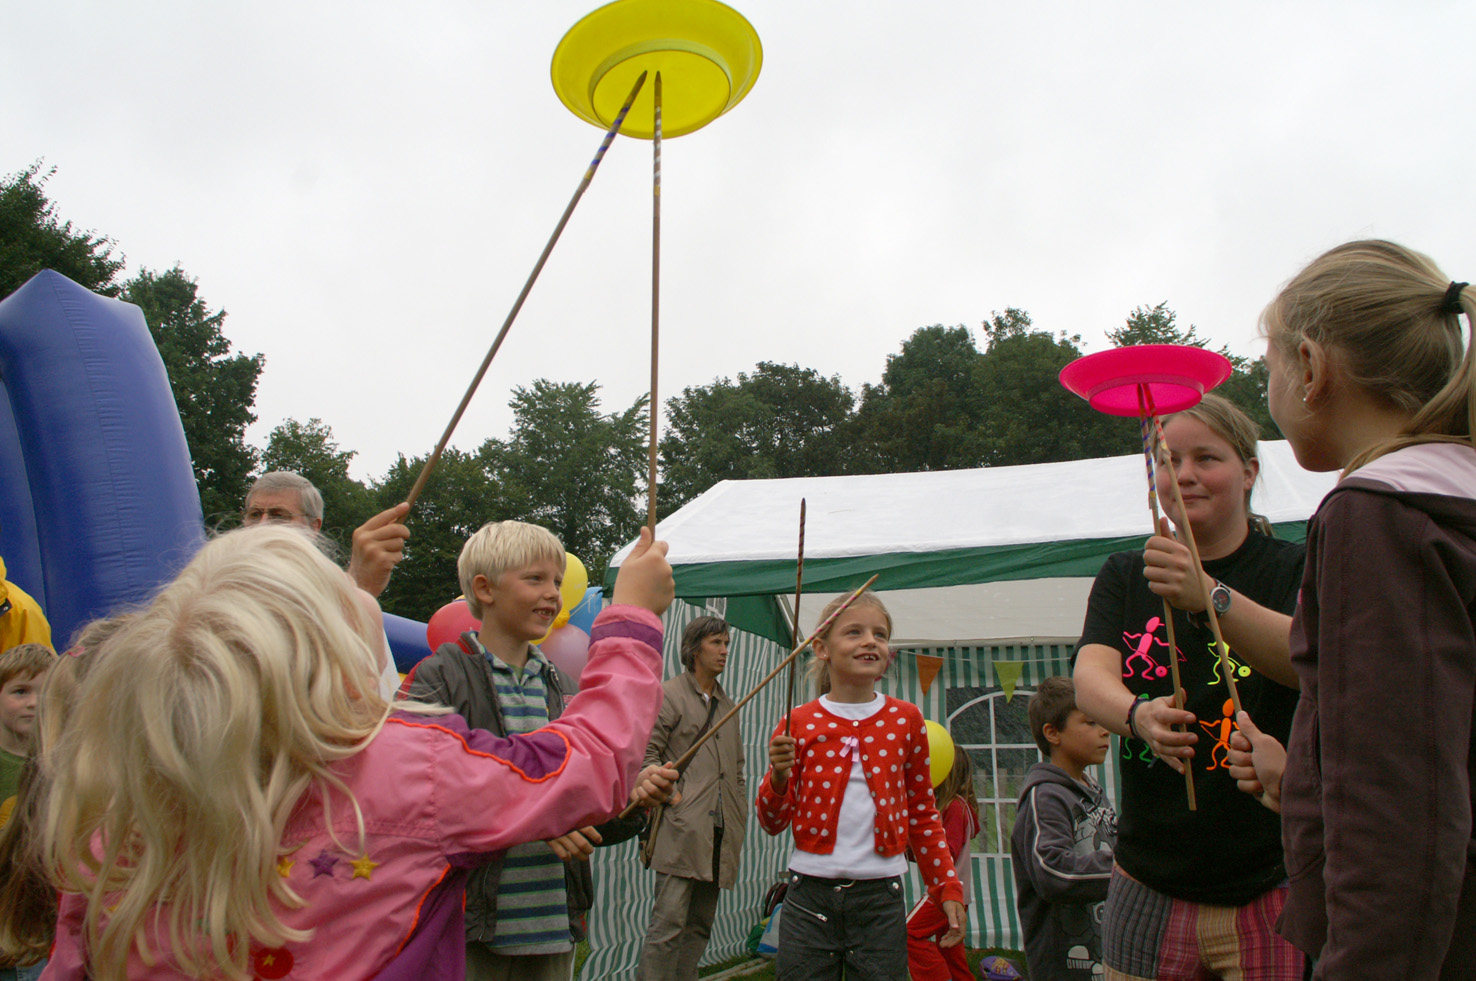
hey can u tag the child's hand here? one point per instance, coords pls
(1172, 573)
(781, 759)
(1257, 762)
(1154, 721)
(655, 785)
(645, 577)
(576, 844)
(954, 910)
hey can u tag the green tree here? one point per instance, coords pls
(924, 415)
(33, 238)
(1025, 415)
(1246, 386)
(214, 389)
(780, 421)
(310, 450)
(458, 499)
(573, 469)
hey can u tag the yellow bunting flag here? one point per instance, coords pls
(927, 669)
(1007, 673)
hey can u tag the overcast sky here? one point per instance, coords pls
(364, 187)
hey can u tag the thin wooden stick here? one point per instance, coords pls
(681, 764)
(655, 297)
(799, 586)
(1221, 648)
(435, 456)
(1168, 611)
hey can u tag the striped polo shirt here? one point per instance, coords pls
(532, 906)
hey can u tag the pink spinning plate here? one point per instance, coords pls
(1176, 377)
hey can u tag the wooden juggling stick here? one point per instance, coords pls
(655, 297)
(681, 764)
(1168, 610)
(799, 586)
(435, 457)
(1221, 648)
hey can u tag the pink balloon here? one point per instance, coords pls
(568, 649)
(448, 624)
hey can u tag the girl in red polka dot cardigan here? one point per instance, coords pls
(851, 778)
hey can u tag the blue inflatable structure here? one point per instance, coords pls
(98, 503)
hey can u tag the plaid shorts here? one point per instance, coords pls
(1147, 936)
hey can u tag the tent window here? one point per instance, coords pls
(995, 732)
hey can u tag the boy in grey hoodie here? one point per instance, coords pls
(1061, 846)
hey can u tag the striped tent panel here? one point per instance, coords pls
(965, 694)
(624, 890)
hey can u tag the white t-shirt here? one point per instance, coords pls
(855, 855)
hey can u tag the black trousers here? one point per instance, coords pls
(859, 925)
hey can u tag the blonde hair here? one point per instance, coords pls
(1383, 307)
(27, 899)
(200, 724)
(959, 783)
(820, 670)
(1229, 422)
(499, 546)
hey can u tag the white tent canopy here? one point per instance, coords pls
(1033, 535)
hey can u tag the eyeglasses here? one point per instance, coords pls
(253, 516)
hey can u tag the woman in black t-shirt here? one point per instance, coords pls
(1194, 891)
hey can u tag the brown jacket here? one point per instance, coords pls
(684, 839)
(1380, 782)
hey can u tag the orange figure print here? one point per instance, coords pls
(1221, 729)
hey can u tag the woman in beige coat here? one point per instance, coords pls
(696, 847)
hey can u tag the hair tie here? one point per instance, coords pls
(1452, 301)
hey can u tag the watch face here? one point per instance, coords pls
(1220, 596)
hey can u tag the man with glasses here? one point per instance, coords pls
(378, 544)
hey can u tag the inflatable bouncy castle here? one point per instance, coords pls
(98, 503)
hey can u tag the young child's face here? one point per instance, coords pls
(1082, 741)
(18, 710)
(856, 645)
(523, 602)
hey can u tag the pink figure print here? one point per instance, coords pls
(1221, 729)
(1141, 644)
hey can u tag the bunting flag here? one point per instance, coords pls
(1007, 673)
(927, 669)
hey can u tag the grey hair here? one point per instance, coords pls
(285, 480)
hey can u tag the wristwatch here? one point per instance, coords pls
(1220, 598)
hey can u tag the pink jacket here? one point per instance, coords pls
(436, 798)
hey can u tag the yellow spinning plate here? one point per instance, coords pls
(708, 55)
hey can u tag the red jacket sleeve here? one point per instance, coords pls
(774, 809)
(925, 829)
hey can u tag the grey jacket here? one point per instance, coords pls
(684, 840)
(1061, 852)
(463, 682)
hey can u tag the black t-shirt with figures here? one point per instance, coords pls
(1228, 851)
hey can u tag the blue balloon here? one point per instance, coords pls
(583, 615)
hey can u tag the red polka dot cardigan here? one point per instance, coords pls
(894, 752)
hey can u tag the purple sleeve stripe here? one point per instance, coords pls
(535, 757)
(632, 629)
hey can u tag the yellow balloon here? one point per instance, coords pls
(708, 55)
(940, 751)
(576, 581)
